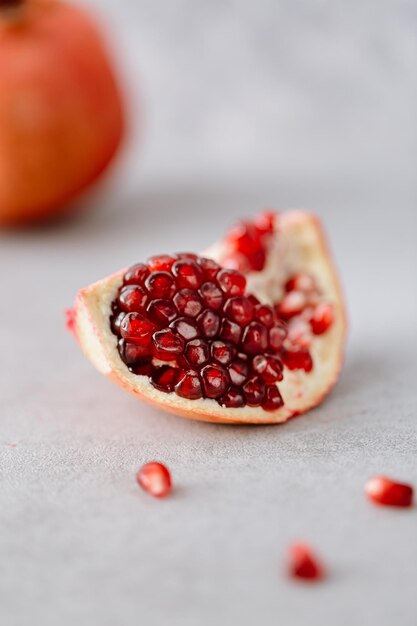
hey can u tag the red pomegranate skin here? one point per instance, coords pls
(61, 112)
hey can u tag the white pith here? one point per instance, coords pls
(298, 246)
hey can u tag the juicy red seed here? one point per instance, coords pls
(137, 329)
(233, 283)
(292, 304)
(160, 263)
(238, 372)
(143, 368)
(265, 222)
(165, 378)
(186, 327)
(197, 352)
(297, 360)
(230, 331)
(265, 315)
(132, 299)
(254, 390)
(223, 352)
(257, 260)
(155, 479)
(322, 319)
(187, 255)
(115, 322)
(253, 299)
(209, 323)
(189, 386)
(162, 312)
(300, 282)
(276, 336)
(269, 368)
(212, 296)
(245, 238)
(255, 338)
(273, 399)
(388, 492)
(237, 262)
(187, 273)
(188, 302)
(299, 333)
(167, 344)
(209, 267)
(239, 310)
(303, 563)
(215, 381)
(160, 285)
(136, 275)
(233, 398)
(132, 354)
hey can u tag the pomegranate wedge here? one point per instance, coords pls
(253, 331)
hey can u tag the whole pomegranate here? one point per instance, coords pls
(61, 115)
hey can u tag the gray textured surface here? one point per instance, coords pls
(78, 542)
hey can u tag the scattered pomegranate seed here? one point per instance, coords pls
(155, 478)
(268, 367)
(187, 273)
(323, 318)
(273, 399)
(303, 563)
(70, 320)
(388, 492)
(254, 390)
(162, 262)
(300, 282)
(265, 222)
(292, 304)
(297, 360)
(276, 336)
(231, 282)
(189, 386)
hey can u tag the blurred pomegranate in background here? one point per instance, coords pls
(61, 114)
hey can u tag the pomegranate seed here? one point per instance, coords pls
(137, 329)
(209, 267)
(162, 312)
(223, 352)
(230, 331)
(209, 323)
(276, 336)
(388, 492)
(245, 238)
(297, 360)
(231, 282)
(257, 260)
(303, 563)
(238, 371)
(265, 315)
(233, 398)
(254, 390)
(188, 274)
(269, 368)
(237, 262)
(323, 318)
(132, 354)
(186, 327)
(165, 378)
(132, 299)
(160, 285)
(253, 299)
(155, 479)
(188, 302)
(212, 296)
(215, 381)
(239, 310)
(189, 386)
(300, 282)
(255, 338)
(136, 275)
(115, 322)
(143, 368)
(187, 255)
(265, 222)
(292, 304)
(273, 399)
(160, 263)
(197, 352)
(299, 334)
(167, 345)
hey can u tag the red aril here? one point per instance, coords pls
(303, 563)
(155, 479)
(388, 492)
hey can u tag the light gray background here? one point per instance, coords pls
(234, 106)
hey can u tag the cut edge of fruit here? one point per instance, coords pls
(302, 242)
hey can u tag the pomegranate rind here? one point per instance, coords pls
(299, 246)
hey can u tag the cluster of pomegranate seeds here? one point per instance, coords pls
(247, 243)
(303, 563)
(388, 492)
(186, 323)
(155, 478)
